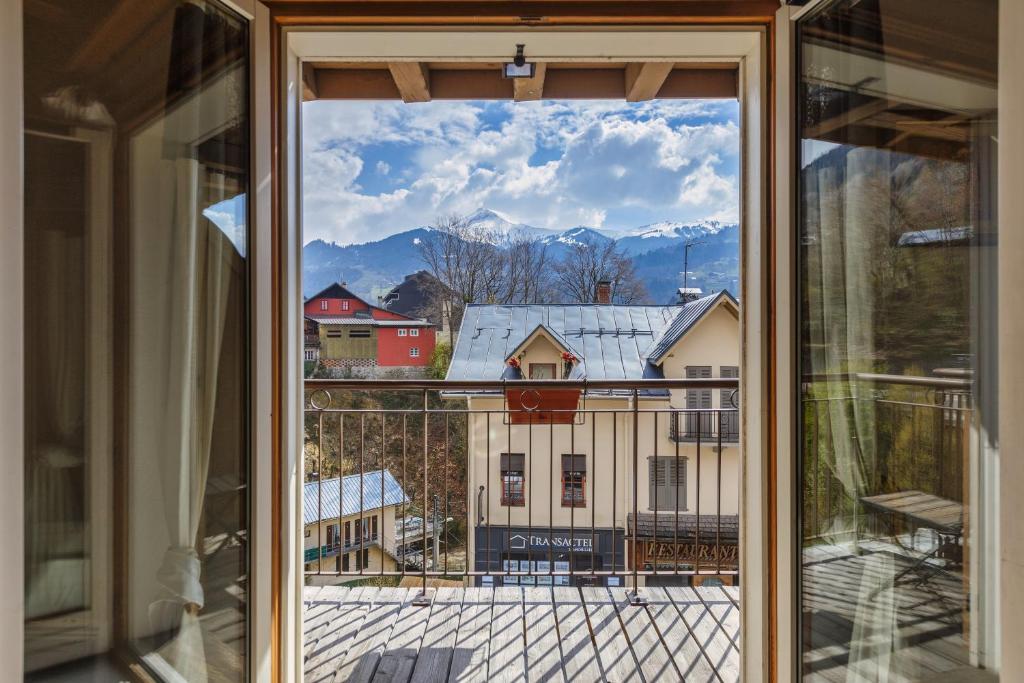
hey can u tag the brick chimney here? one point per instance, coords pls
(604, 292)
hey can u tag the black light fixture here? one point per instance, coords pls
(519, 67)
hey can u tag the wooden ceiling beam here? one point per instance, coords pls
(527, 89)
(412, 80)
(644, 79)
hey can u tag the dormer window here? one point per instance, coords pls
(542, 371)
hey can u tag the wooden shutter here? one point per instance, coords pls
(513, 462)
(666, 482)
(730, 421)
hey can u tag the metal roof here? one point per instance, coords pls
(333, 494)
(364, 322)
(691, 313)
(612, 341)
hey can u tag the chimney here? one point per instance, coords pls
(604, 292)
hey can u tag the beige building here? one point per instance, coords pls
(551, 471)
(354, 530)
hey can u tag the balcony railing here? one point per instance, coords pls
(907, 433)
(652, 506)
(707, 426)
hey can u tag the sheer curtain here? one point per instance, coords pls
(196, 276)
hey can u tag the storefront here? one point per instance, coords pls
(521, 556)
(708, 552)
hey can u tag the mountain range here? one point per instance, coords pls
(372, 268)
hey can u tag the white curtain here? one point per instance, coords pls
(193, 315)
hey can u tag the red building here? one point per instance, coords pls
(354, 333)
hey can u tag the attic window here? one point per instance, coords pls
(334, 334)
(358, 334)
(323, 304)
(344, 304)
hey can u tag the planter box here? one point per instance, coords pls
(542, 406)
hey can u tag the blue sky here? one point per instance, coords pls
(371, 169)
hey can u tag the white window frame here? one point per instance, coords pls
(323, 304)
(414, 332)
(402, 331)
(345, 304)
(414, 352)
(745, 46)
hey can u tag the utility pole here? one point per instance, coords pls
(686, 264)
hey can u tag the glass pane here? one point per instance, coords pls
(136, 461)
(897, 187)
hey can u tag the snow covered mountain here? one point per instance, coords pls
(372, 268)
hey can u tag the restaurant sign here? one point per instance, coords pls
(690, 552)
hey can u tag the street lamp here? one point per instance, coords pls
(686, 262)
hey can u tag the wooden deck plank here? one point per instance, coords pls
(579, 656)
(318, 614)
(682, 646)
(506, 659)
(469, 660)
(543, 656)
(330, 648)
(402, 649)
(654, 659)
(438, 645)
(734, 594)
(709, 634)
(363, 656)
(723, 610)
(613, 652)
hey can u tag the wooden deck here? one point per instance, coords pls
(520, 634)
(854, 614)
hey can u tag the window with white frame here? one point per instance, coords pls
(414, 352)
(402, 331)
(344, 304)
(414, 332)
(323, 304)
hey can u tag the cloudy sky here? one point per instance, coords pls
(371, 169)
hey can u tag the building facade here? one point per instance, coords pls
(348, 526)
(554, 490)
(352, 333)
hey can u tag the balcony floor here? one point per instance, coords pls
(516, 634)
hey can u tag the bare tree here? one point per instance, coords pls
(528, 278)
(589, 263)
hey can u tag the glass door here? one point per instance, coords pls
(897, 236)
(137, 340)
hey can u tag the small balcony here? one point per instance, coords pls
(710, 427)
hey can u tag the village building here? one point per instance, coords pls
(349, 525)
(421, 295)
(553, 490)
(342, 330)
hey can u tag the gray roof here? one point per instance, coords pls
(612, 341)
(333, 495)
(692, 312)
(684, 527)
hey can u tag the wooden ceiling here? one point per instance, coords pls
(425, 81)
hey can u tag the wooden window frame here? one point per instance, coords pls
(574, 472)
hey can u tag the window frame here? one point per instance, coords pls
(402, 331)
(512, 469)
(414, 352)
(553, 366)
(574, 472)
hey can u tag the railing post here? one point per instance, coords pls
(423, 600)
(634, 597)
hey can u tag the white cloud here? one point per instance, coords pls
(659, 160)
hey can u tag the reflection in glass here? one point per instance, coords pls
(897, 279)
(136, 178)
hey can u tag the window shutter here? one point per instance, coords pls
(513, 462)
(666, 483)
(574, 463)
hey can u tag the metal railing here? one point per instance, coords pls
(454, 447)
(885, 434)
(706, 425)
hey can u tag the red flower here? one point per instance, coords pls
(569, 357)
(513, 362)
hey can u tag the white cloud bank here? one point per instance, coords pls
(549, 164)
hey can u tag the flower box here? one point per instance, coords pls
(542, 406)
